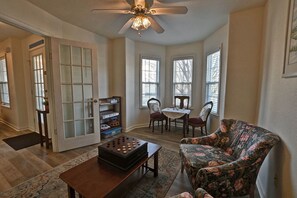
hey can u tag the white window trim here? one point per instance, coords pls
(4, 104)
(173, 83)
(219, 82)
(140, 77)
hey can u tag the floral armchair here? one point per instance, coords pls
(226, 163)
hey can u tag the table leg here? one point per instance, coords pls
(184, 125)
(71, 192)
(156, 162)
(40, 128)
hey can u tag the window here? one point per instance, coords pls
(149, 79)
(39, 81)
(182, 77)
(213, 79)
(4, 91)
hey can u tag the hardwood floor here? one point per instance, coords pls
(19, 166)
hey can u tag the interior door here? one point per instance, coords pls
(75, 94)
(39, 88)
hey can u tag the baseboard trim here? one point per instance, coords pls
(137, 126)
(14, 127)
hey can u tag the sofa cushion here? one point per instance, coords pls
(198, 156)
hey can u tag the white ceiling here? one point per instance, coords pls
(203, 18)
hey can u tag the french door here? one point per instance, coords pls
(75, 94)
(39, 86)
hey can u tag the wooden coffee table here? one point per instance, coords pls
(95, 179)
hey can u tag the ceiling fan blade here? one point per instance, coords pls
(116, 11)
(155, 25)
(169, 10)
(126, 26)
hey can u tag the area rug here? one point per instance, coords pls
(49, 185)
(23, 141)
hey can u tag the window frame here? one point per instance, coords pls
(212, 82)
(183, 83)
(5, 104)
(154, 58)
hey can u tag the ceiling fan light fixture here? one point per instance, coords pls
(141, 22)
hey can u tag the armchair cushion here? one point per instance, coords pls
(197, 157)
(226, 163)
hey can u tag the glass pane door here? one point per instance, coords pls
(37, 62)
(74, 92)
(77, 90)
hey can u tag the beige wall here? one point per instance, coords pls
(219, 39)
(125, 82)
(130, 84)
(194, 49)
(28, 79)
(148, 50)
(244, 58)
(278, 109)
(16, 115)
(118, 72)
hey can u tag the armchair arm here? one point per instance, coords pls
(236, 178)
(201, 193)
(205, 140)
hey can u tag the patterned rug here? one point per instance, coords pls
(49, 185)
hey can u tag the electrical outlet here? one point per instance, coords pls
(275, 179)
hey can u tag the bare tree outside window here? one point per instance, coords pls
(213, 79)
(182, 77)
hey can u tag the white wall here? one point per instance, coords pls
(118, 72)
(278, 109)
(125, 75)
(194, 49)
(218, 39)
(150, 50)
(244, 64)
(130, 84)
(15, 115)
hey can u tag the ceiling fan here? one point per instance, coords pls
(142, 14)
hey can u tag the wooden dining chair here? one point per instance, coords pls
(180, 102)
(154, 106)
(201, 119)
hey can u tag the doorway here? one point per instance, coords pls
(39, 82)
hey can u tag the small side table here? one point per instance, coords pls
(43, 137)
